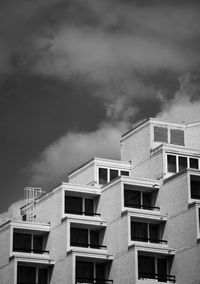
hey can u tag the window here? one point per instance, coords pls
(87, 271)
(146, 266)
(28, 243)
(177, 137)
(171, 163)
(182, 163)
(85, 238)
(73, 205)
(79, 205)
(194, 163)
(84, 270)
(103, 176)
(150, 267)
(124, 173)
(145, 232)
(89, 207)
(31, 275)
(106, 175)
(79, 237)
(24, 217)
(139, 199)
(195, 186)
(26, 275)
(160, 134)
(113, 174)
(22, 242)
(132, 198)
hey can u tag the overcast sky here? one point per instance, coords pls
(75, 75)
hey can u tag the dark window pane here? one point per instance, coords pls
(147, 200)
(132, 198)
(103, 176)
(146, 266)
(171, 164)
(94, 238)
(42, 275)
(124, 173)
(113, 174)
(177, 137)
(160, 134)
(138, 231)
(37, 244)
(89, 207)
(195, 187)
(73, 205)
(22, 242)
(154, 232)
(100, 271)
(162, 269)
(26, 275)
(84, 270)
(79, 237)
(24, 217)
(194, 163)
(182, 163)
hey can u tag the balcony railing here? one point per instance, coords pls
(93, 281)
(159, 277)
(146, 207)
(149, 240)
(82, 213)
(86, 245)
(30, 250)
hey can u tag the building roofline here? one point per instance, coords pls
(144, 122)
(96, 159)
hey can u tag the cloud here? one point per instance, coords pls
(12, 213)
(185, 106)
(73, 149)
(114, 45)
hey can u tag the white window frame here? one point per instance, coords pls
(177, 162)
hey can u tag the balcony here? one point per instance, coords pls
(30, 243)
(93, 281)
(147, 232)
(87, 238)
(139, 199)
(32, 274)
(92, 272)
(158, 277)
(80, 205)
(155, 267)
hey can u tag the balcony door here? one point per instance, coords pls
(26, 275)
(162, 269)
(84, 271)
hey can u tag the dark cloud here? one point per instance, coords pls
(82, 69)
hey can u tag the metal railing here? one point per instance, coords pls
(82, 213)
(156, 241)
(30, 250)
(147, 207)
(97, 246)
(82, 280)
(159, 277)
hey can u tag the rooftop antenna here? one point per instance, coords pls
(30, 196)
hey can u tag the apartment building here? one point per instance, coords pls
(132, 221)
